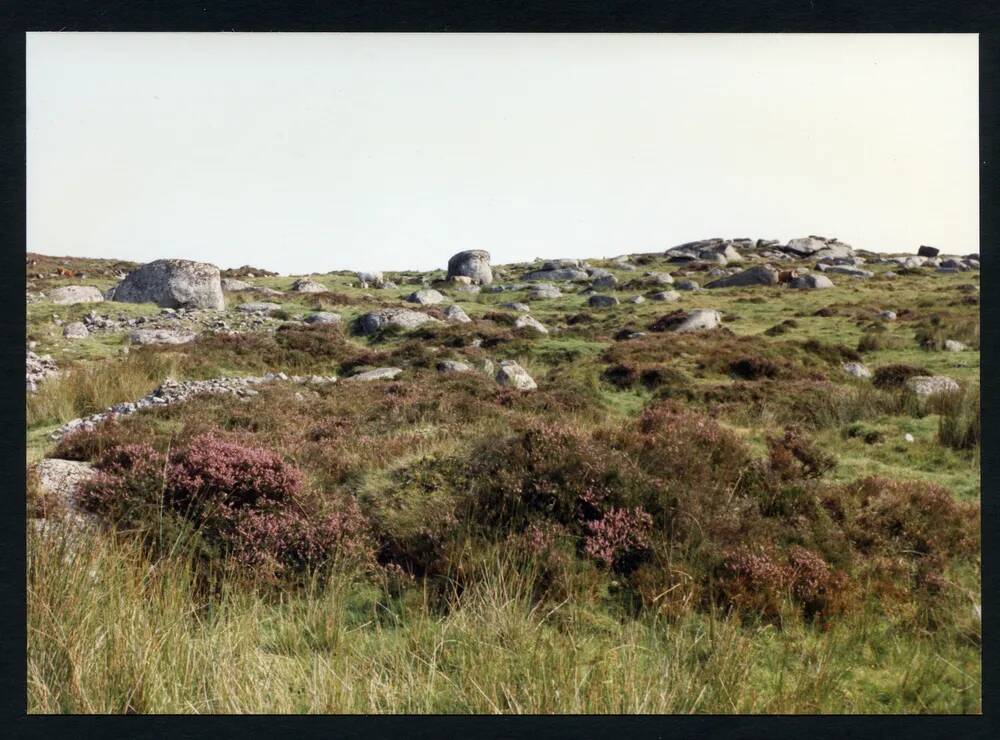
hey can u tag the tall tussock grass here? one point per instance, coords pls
(959, 424)
(87, 389)
(110, 631)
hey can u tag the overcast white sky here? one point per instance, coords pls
(315, 152)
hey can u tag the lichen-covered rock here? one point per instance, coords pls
(160, 336)
(426, 297)
(544, 291)
(173, 283)
(857, 369)
(667, 296)
(758, 275)
(473, 264)
(602, 301)
(564, 274)
(379, 373)
(530, 322)
(323, 317)
(232, 285)
(931, 385)
(258, 307)
(308, 285)
(453, 366)
(69, 295)
(811, 281)
(76, 330)
(455, 314)
(400, 318)
(512, 375)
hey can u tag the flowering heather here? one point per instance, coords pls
(618, 536)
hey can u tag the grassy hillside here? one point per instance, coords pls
(720, 521)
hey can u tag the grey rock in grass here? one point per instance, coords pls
(455, 314)
(667, 296)
(758, 275)
(399, 318)
(232, 285)
(308, 285)
(453, 366)
(567, 274)
(544, 291)
(425, 297)
(517, 306)
(160, 336)
(530, 322)
(258, 307)
(323, 317)
(952, 345)
(926, 251)
(379, 373)
(69, 295)
(76, 330)
(173, 283)
(810, 281)
(857, 369)
(931, 385)
(511, 375)
(602, 301)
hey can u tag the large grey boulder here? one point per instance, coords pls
(658, 278)
(72, 294)
(400, 318)
(173, 283)
(512, 375)
(926, 251)
(560, 264)
(811, 281)
(474, 264)
(603, 282)
(805, 246)
(759, 275)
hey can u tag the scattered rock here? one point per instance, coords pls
(604, 282)
(669, 296)
(926, 251)
(544, 291)
(952, 345)
(232, 285)
(174, 284)
(379, 373)
(425, 297)
(69, 295)
(258, 307)
(810, 281)
(686, 285)
(758, 275)
(453, 366)
(567, 274)
(400, 318)
(887, 315)
(455, 314)
(59, 481)
(160, 336)
(531, 323)
(602, 301)
(76, 330)
(517, 306)
(512, 375)
(700, 319)
(307, 285)
(930, 385)
(857, 369)
(323, 317)
(37, 368)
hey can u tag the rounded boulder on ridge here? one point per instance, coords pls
(473, 264)
(173, 283)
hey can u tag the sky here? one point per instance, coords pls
(317, 152)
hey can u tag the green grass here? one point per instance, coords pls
(109, 632)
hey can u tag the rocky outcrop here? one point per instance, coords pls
(759, 275)
(173, 284)
(473, 264)
(512, 375)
